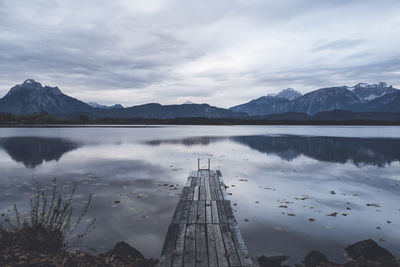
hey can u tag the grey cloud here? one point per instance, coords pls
(339, 44)
(162, 51)
(324, 76)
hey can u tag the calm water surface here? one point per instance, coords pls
(309, 172)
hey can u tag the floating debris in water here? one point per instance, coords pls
(291, 214)
(304, 197)
(376, 205)
(333, 192)
(333, 214)
(269, 188)
(311, 219)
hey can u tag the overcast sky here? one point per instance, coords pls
(215, 51)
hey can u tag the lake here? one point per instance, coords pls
(280, 177)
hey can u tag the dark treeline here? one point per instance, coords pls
(43, 118)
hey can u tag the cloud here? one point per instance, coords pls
(220, 52)
(339, 44)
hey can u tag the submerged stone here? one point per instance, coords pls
(369, 250)
(272, 261)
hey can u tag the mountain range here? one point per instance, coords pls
(289, 104)
(31, 97)
(359, 98)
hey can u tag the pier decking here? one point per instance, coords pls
(204, 231)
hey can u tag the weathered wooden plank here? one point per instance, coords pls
(196, 193)
(208, 212)
(218, 193)
(207, 186)
(201, 211)
(194, 181)
(229, 246)
(189, 181)
(241, 249)
(212, 252)
(213, 194)
(169, 244)
(178, 253)
(178, 211)
(201, 245)
(223, 190)
(190, 246)
(220, 247)
(193, 212)
(185, 193)
(221, 211)
(190, 194)
(216, 180)
(185, 212)
(214, 211)
(212, 181)
(202, 193)
(229, 213)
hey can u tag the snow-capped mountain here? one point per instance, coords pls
(269, 104)
(368, 92)
(361, 97)
(289, 94)
(324, 100)
(97, 105)
(31, 97)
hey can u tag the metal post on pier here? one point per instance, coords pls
(198, 164)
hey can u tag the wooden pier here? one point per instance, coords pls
(204, 231)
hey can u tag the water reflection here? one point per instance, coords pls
(136, 167)
(359, 151)
(33, 151)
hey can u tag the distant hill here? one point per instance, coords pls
(97, 105)
(31, 97)
(361, 97)
(155, 110)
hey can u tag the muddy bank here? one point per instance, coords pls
(121, 255)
